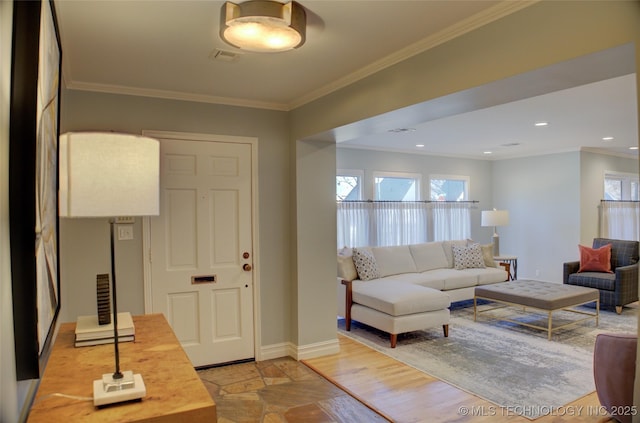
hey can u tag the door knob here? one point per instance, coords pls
(246, 267)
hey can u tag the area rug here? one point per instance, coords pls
(509, 365)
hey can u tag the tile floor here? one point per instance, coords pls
(278, 391)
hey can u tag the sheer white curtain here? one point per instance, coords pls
(620, 220)
(451, 220)
(400, 223)
(354, 224)
(384, 223)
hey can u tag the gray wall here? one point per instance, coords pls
(13, 394)
(315, 319)
(84, 242)
(542, 195)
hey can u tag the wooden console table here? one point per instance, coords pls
(174, 389)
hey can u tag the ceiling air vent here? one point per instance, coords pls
(224, 55)
(511, 144)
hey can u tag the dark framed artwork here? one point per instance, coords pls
(33, 182)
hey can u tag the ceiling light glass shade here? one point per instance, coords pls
(263, 26)
(105, 174)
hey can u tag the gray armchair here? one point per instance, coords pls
(618, 288)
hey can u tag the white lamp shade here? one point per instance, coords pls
(103, 174)
(495, 218)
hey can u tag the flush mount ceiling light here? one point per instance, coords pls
(263, 26)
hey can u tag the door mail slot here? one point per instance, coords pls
(203, 279)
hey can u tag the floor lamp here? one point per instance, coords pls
(104, 174)
(495, 218)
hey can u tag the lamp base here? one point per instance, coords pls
(110, 391)
(496, 245)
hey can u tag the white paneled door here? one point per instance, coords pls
(201, 248)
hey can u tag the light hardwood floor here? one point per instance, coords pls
(403, 394)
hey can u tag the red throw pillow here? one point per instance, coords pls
(595, 259)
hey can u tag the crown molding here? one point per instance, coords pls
(632, 155)
(476, 21)
(171, 95)
(477, 156)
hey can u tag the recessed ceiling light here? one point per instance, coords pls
(487, 152)
(398, 130)
(633, 148)
(607, 138)
(419, 145)
(541, 123)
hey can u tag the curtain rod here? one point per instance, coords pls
(413, 201)
(619, 201)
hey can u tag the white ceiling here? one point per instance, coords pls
(164, 48)
(578, 118)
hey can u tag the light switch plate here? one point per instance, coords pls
(125, 232)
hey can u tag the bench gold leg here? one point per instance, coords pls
(445, 328)
(550, 327)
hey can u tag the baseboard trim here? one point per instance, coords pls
(303, 352)
(269, 352)
(318, 349)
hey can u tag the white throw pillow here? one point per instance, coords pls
(487, 253)
(346, 268)
(365, 264)
(469, 257)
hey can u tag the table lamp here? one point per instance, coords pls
(104, 174)
(495, 218)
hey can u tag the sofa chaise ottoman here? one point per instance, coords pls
(397, 308)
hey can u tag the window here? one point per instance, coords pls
(398, 216)
(620, 212)
(392, 186)
(449, 188)
(349, 185)
(620, 186)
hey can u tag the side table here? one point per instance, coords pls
(513, 262)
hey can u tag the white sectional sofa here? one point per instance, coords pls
(405, 288)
